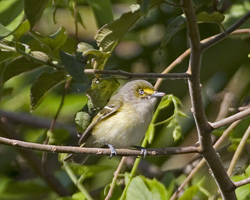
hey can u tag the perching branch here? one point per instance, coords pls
(96, 151)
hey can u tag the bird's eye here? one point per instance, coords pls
(141, 91)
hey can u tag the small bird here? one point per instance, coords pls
(123, 122)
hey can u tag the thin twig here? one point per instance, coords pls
(238, 151)
(202, 161)
(242, 182)
(75, 181)
(231, 119)
(137, 75)
(113, 183)
(224, 34)
(187, 52)
(52, 127)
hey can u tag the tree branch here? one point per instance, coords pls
(242, 182)
(226, 33)
(97, 151)
(204, 129)
(137, 75)
(187, 52)
(231, 119)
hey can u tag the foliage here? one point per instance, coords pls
(45, 49)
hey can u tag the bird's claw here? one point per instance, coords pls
(144, 151)
(112, 150)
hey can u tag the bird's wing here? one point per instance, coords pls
(108, 110)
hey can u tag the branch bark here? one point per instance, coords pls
(96, 151)
(204, 129)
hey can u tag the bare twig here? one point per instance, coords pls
(137, 75)
(231, 119)
(238, 152)
(113, 183)
(242, 182)
(202, 161)
(224, 34)
(187, 52)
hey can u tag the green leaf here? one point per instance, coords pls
(4, 55)
(34, 9)
(21, 29)
(54, 41)
(10, 10)
(189, 193)
(142, 188)
(34, 187)
(181, 114)
(165, 101)
(88, 171)
(4, 32)
(73, 66)
(110, 34)
(58, 136)
(150, 133)
(19, 66)
(144, 6)
(177, 132)
(102, 11)
(82, 120)
(43, 84)
(214, 17)
(101, 91)
(174, 27)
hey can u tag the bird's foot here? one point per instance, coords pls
(112, 150)
(144, 151)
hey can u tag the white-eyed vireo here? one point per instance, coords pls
(123, 121)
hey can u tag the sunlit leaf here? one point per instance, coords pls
(21, 29)
(177, 132)
(4, 31)
(150, 133)
(189, 193)
(214, 17)
(110, 34)
(82, 120)
(142, 188)
(101, 91)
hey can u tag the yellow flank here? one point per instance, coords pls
(122, 131)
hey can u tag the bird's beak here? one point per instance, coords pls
(158, 94)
